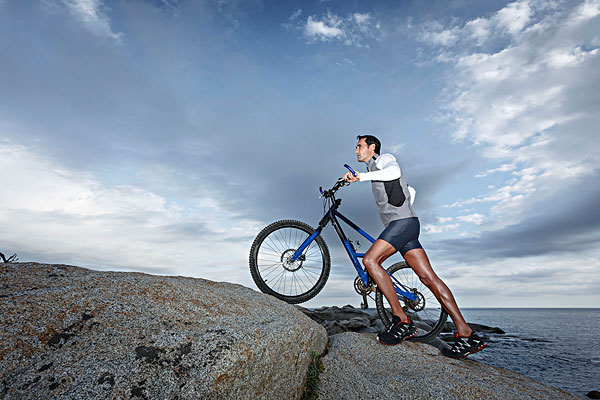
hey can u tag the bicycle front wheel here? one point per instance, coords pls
(273, 269)
(426, 312)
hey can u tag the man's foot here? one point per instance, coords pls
(463, 346)
(397, 332)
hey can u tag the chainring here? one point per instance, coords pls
(360, 288)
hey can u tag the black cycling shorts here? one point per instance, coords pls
(403, 234)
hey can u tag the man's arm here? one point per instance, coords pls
(389, 171)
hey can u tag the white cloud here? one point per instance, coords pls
(433, 229)
(514, 17)
(362, 21)
(476, 218)
(353, 30)
(562, 58)
(537, 281)
(443, 38)
(586, 11)
(395, 148)
(530, 102)
(69, 216)
(323, 30)
(436, 34)
(91, 14)
(480, 29)
(502, 168)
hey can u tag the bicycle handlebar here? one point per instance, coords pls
(340, 182)
(350, 169)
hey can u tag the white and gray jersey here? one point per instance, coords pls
(393, 196)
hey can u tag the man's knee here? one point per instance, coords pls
(370, 262)
(427, 280)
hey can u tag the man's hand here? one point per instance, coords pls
(348, 177)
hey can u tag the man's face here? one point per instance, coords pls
(363, 151)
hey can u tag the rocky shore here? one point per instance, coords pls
(349, 319)
(72, 333)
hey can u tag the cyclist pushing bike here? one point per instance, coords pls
(401, 233)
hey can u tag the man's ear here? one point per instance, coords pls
(372, 147)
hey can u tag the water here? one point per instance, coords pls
(559, 347)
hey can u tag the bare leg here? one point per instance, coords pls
(377, 254)
(418, 261)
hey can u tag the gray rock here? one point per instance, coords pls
(450, 327)
(357, 367)
(72, 333)
(346, 319)
(594, 394)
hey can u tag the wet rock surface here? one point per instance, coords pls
(357, 367)
(73, 333)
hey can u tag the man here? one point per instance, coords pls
(401, 234)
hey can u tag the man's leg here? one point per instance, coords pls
(374, 257)
(418, 261)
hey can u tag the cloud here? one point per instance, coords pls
(443, 37)
(91, 14)
(68, 216)
(323, 30)
(514, 17)
(528, 103)
(480, 29)
(433, 229)
(502, 168)
(535, 281)
(353, 30)
(560, 224)
(476, 218)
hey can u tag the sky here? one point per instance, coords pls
(162, 136)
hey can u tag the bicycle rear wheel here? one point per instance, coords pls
(276, 274)
(426, 312)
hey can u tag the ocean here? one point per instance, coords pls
(557, 346)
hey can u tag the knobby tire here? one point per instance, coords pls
(273, 273)
(430, 320)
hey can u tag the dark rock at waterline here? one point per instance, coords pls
(450, 327)
(349, 319)
(345, 319)
(594, 394)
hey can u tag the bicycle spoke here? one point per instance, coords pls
(307, 276)
(265, 276)
(272, 264)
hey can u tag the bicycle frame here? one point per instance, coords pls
(331, 216)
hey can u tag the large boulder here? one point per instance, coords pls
(72, 333)
(357, 367)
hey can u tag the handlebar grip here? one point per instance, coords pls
(350, 169)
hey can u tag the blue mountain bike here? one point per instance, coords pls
(290, 260)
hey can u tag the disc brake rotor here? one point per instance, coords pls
(418, 304)
(288, 263)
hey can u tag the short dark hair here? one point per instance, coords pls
(370, 139)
